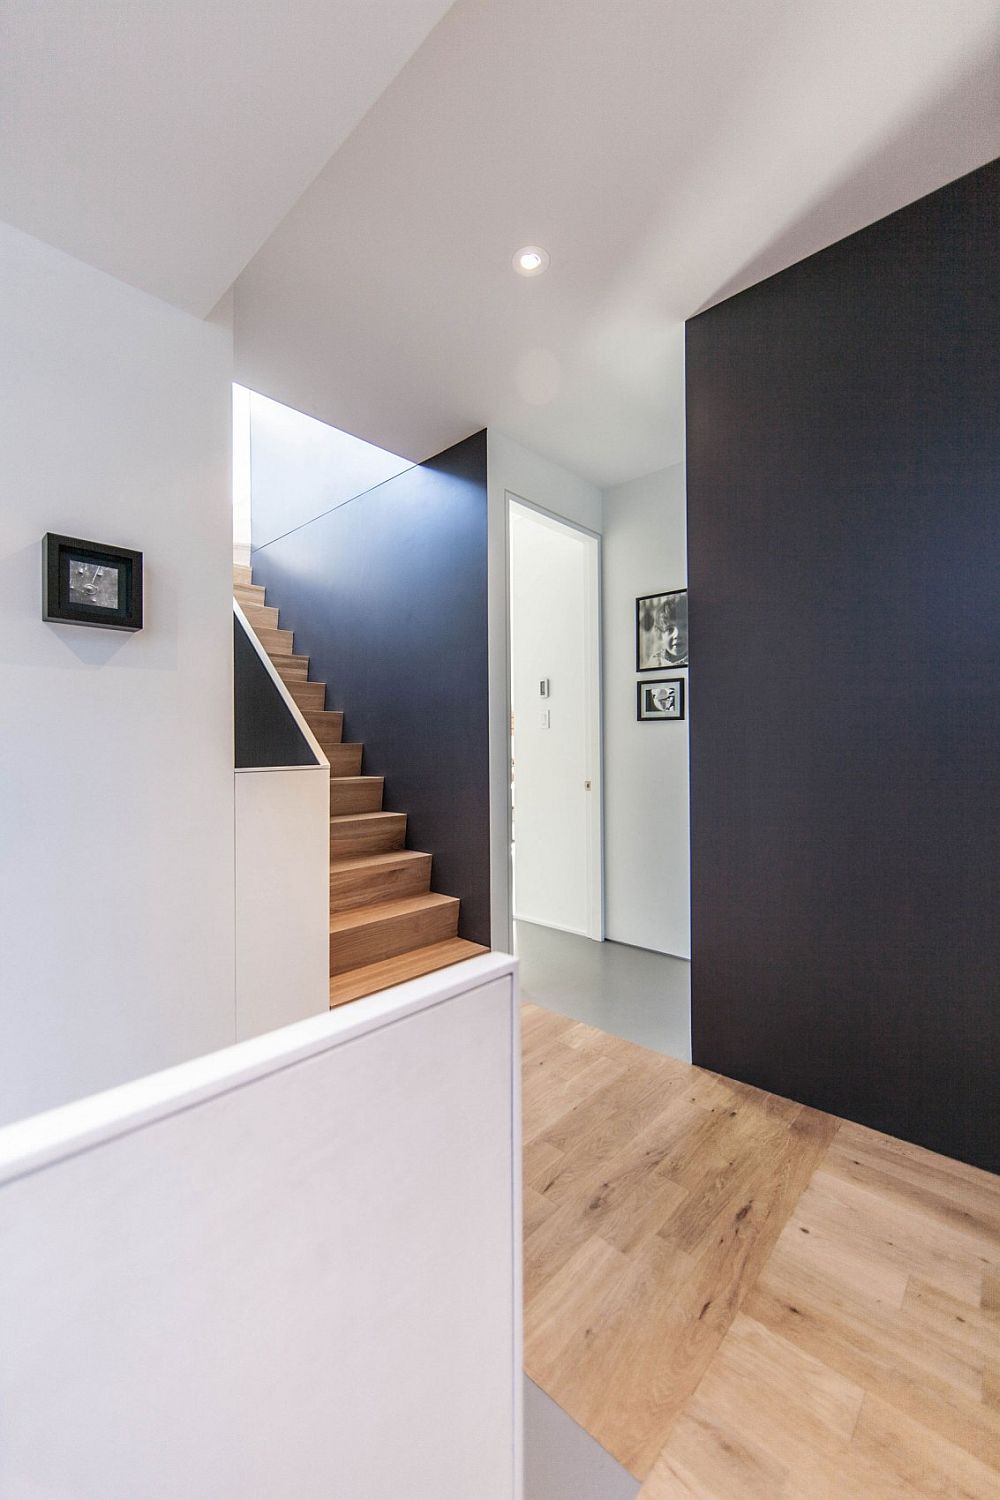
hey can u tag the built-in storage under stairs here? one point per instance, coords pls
(386, 924)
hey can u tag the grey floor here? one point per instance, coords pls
(630, 992)
(562, 1462)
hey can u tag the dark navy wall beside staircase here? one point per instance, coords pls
(844, 574)
(387, 596)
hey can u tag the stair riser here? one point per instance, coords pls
(276, 642)
(350, 889)
(377, 836)
(375, 941)
(328, 728)
(291, 668)
(345, 760)
(242, 573)
(261, 617)
(308, 695)
(354, 797)
(249, 595)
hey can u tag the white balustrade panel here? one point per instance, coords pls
(287, 1271)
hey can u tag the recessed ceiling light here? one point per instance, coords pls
(532, 260)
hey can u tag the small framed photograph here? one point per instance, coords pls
(661, 631)
(663, 698)
(88, 583)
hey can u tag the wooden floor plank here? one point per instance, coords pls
(740, 1297)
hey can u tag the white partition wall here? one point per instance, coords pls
(287, 1271)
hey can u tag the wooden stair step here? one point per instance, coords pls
(345, 760)
(327, 727)
(310, 696)
(369, 934)
(290, 668)
(276, 642)
(242, 573)
(367, 878)
(248, 593)
(381, 976)
(366, 833)
(260, 617)
(355, 794)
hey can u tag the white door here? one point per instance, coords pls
(555, 722)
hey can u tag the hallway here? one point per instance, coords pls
(633, 993)
(739, 1296)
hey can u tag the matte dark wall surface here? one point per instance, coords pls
(844, 573)
(266, 734)
(387, 596)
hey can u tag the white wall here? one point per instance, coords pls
(556, 739)
(300, 468)
(647, 859)
(291, 1269)
(116, 765)
(516, 471)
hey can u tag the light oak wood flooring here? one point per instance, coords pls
(742, 1297)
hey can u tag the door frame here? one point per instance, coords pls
(593, 664)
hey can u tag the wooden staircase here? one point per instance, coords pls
(386, 924)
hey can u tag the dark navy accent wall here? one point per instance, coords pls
(844, 573)
(387, 596)
(266, 734)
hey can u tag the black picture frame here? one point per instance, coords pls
(647, 686)
(91, 583)
(655, 610)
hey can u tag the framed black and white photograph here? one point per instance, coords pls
(663, 698)
(661, 631)
(90, 583)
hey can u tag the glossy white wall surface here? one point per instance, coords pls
(647, 778)
(282, 897)
(290, 1269)
(116, 760)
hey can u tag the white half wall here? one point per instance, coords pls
(282, 897)
(116, 759)
(646, 770)
(290, 1270)
(516, 471)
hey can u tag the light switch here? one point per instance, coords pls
(546, 718)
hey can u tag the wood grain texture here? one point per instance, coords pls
(276, 642)
(290, 668)
(345, 760)
(740, 1297)
(248, 594)
(381, 976)
(378, 877)
(310, 696)
(366, 833)
(351, 794)
(328, 727)
(369, 934)
(260, 616)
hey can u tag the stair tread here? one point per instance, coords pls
(381, 861)
(371, 978)
(386, 911)
(363, 817)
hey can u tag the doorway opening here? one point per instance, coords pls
(557, 853)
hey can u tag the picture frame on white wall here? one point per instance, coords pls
(661, 631)
(660, 699)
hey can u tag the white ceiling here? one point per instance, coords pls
(665, 152)
(163, 140)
